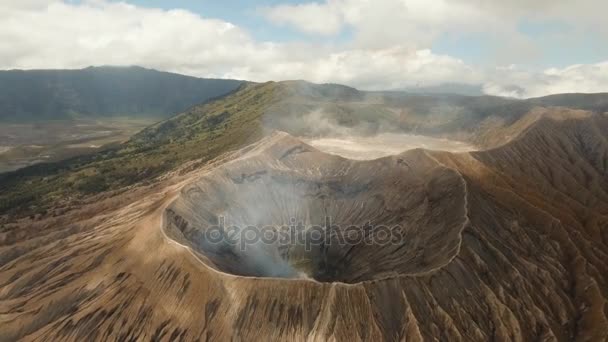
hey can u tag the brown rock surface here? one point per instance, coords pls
(506, 244)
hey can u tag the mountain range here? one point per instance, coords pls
(507, 241)
(27, 95)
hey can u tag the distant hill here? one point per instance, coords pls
(206, 131)
(507, 243)
(101, 92)
(447, 88)
(597, 102)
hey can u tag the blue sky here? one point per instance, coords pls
(540, 46)
(243, 13)
(246, 14)
(475, 48)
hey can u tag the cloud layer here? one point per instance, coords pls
(390, 48)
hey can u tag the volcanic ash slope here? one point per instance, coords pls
(284, 181)
(508, 244)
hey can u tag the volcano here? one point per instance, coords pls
(283, 182)
(504, 240)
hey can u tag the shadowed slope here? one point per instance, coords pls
(38, 95)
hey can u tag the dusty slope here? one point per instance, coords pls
(285, 182)
(302, 109)
(530, 262)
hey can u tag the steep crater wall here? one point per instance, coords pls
(321, 216)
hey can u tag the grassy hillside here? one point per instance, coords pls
(234, 120)
(593, 102)
(101, 92)
(203, 132)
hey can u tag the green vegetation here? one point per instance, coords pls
(102, 92)
(203, 132)
(236, 119)
(592, 102)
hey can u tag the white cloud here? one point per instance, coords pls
(390, 49)
(408, 18)
(580, 78)
(62, 35)
(310, 18)
(390, 68)
(383, 23)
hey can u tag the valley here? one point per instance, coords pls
(502, 234)
(52, 115)
(25, 144)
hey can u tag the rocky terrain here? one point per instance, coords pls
(508, 242)
(286, 181)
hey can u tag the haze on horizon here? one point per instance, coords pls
(517, 49)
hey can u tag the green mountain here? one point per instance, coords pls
(102, 92)
(447, 88)
(202, 132)
(234, 120)
(597, 102)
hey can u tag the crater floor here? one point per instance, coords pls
(326, 217)
(384, 144)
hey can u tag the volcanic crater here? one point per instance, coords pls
(356, 220)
